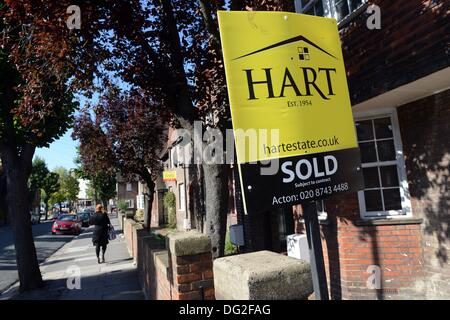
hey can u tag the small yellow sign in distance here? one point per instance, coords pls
(169, 175)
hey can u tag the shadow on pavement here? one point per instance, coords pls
(118, 285)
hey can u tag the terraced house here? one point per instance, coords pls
(392, 239)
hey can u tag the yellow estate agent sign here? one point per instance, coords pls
(169, 176)
(286, 72)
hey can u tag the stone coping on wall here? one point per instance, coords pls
(262, 275)
(182, 243)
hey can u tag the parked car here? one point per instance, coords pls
(55, 215)
(84, 217)
(67, 223)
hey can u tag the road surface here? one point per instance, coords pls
(46, 245)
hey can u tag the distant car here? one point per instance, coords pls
(55, 216)
(84, 217)
(67, 223)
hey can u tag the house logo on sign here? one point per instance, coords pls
(314, 78)
(303, 53)
(301, 50)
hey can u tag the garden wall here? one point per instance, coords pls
(178, 268)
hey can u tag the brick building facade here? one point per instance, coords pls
(127, 191)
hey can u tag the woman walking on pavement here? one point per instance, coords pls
(102, 224)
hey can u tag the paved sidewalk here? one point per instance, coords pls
(114, 280)
(46, 244)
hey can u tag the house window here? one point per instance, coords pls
(338, 9)
(130, 203)
(385, 188)
(129, 187)
(140, 201)
(181, 197)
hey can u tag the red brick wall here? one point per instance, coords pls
(189, 274)
(394, 248)
(163, 289)
(413, 257)
(425, 130)
(128, 234)
(165, 276)
(349, 249)
(152, 265)
(411, 44)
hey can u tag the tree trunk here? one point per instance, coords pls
(19, 211)
(148, 208)
(216, 202)
(196, 196)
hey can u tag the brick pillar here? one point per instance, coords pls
(190, 262)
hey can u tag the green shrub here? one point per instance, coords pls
(229, 247)
(139, 216)
(122, 205)
(170, 206)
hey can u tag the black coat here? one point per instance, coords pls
(101, 223)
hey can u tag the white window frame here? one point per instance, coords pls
(329, 9)
(130, 203)
(181, 197)
(140, 204)
(406, 211)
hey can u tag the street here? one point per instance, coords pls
(72, 272)
(46, 245)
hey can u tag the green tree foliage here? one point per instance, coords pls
(39, 172)
(122, 206)
(36, 107)
(125, 135)
(50, 186)
(102, 183)
(43, 181)
(105, 186)
(68, 187)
